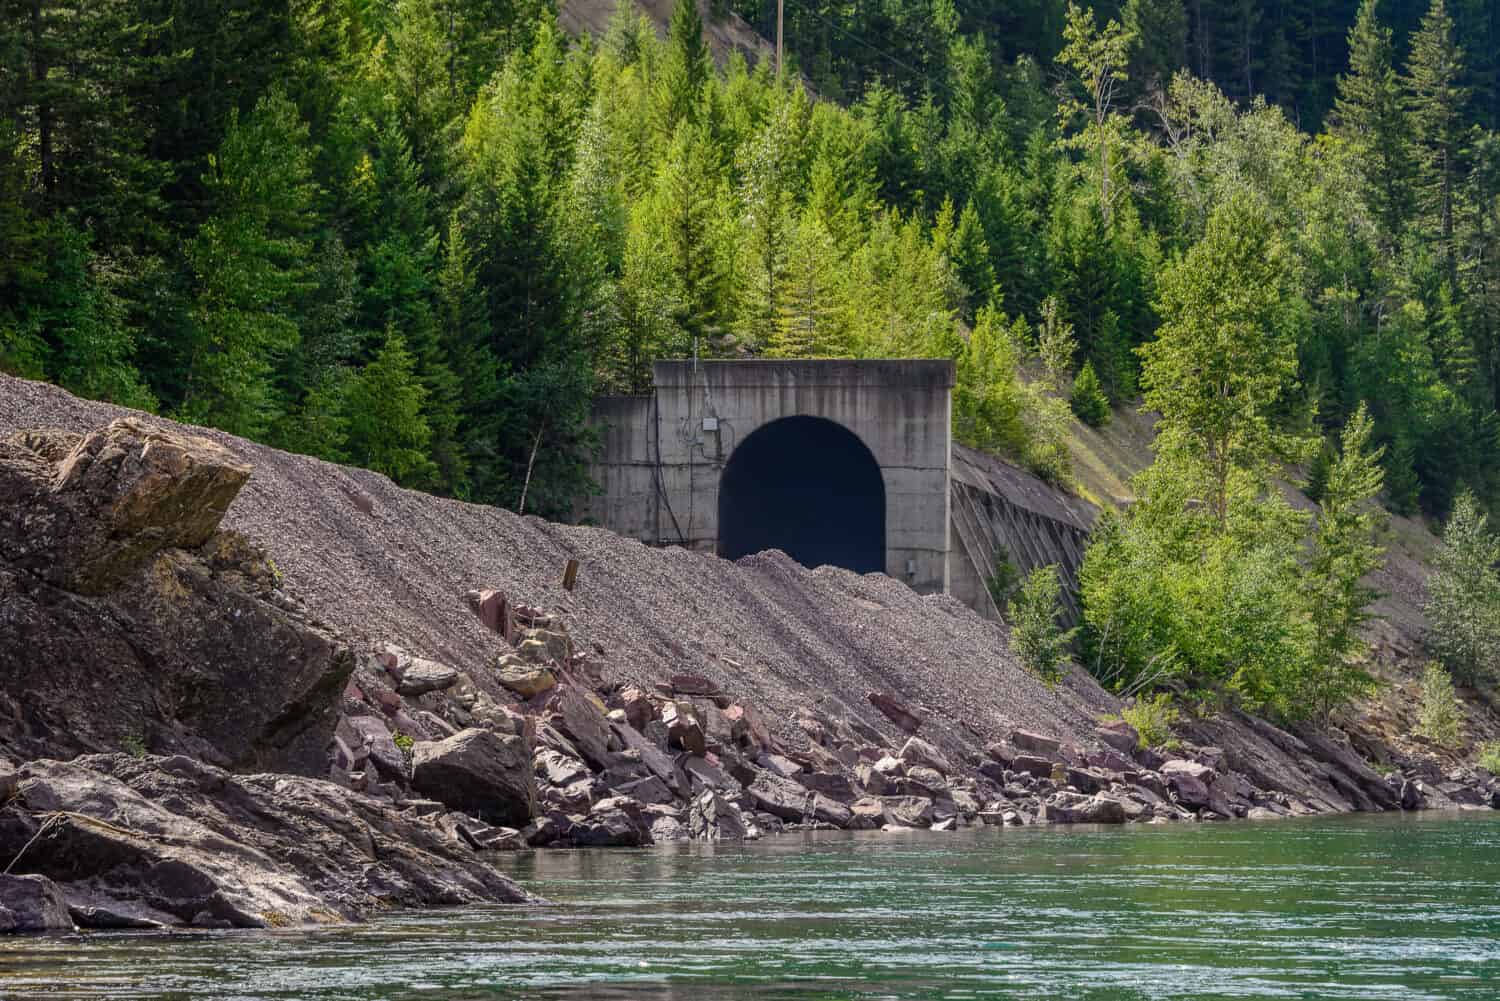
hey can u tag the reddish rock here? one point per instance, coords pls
(1086, 780)
(1110, 761)
(694, 684)
(834, 785)
(1189, 781)
(896, 711)
(684, 728)
(782, 766)
(1073, 808)
(653, 759)
(1002, 751)
(1036, 743)
(638, 707)
(479, 772)
(494, 611)
(1033, 765)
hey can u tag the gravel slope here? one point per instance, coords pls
(381, 563)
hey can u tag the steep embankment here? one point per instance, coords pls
(383, 564)
(436, 693)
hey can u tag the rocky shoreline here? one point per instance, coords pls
(183, 742)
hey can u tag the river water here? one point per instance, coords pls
(1370, 908)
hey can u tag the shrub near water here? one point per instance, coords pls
(1438, 716)
(1152, 716)
(1034, 633)
(1489, 758)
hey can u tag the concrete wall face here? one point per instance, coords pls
(662, 463)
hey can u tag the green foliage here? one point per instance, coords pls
(1439, 715)
(1246, 609)
(221, 210)
(134, 745)
(1055, 344)
(1489, 758)
(1087, 401)
(250, 262)
(1153, 717)
(1343, 555)
(1037, 639)
(387, 429)
(1463, 605)
(1003, 580)
(1226, 353)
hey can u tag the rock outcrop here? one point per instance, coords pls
(128, 620)
(172, 841)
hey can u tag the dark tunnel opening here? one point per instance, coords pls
(806, 486)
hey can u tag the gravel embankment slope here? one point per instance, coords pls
(381, 563)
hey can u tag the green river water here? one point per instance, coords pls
(1367, 908)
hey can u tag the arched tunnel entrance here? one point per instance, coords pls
(809, 487)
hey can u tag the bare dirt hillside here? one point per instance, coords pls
(383, 564)
(725, 35)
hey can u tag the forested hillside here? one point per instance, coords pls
(419, 235)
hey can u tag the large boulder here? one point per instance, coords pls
(582, 720)
(32, 904)
(119, 496)
(421, 676)
(618, 822)
(1189, 781)
(523, 677)
(684, 727)
(711, 817)
(1119, 735)
(1075, 808)
(917, 751)
(780, 797)
(1036, 743)
(131, 622)
(898, 712)
(479, 772)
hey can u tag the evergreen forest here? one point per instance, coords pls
(420, 235)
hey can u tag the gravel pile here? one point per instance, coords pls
(381, 563)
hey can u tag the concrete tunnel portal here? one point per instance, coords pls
(809, 487)
(842, 462)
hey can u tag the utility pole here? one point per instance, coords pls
(780, 7)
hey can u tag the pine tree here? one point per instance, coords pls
(1370, 116)
(1087, 401)
(683, 209)
(250, 262)
(1344, 554)
(971, 262)
(1402, 488)
(684, 69)
(1158, 32)
(1463, 607)
(1437, 102)
(812, 322)
(1035, 637)
(1055, 343)
(387, 431)
(771, 172)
